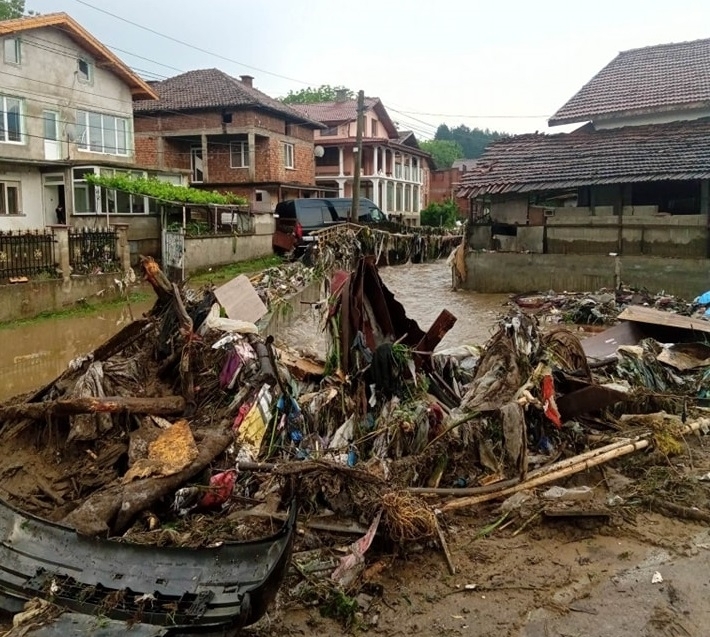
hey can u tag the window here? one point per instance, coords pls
(289, 156)
(373, 126)
(329, 132)
(196, 166)
(100, 133)
(12, 50)
(10, 198)
(90, 199)
(84, 70)
(11, 120)
(239, 154)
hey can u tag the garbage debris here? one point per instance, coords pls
(191, 431)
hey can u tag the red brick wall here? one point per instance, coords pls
(441, 187)
(269, 164)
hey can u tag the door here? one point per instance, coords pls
(52, 145)
(54, 199)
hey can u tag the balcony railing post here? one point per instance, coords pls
(61, 236)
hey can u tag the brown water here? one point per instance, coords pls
(424, 290)
(32, 355)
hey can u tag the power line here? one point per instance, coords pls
(192, 46)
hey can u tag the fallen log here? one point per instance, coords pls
(111, 511)
(566, 468)
(161, 406)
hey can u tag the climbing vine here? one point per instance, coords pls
(165, 191)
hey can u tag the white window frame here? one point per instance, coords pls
(289, 156)
(88, 77)
(374, 128)
(5, 198)
(4, 137)
(17, 51)
(239, 149)
(107, 137)
(103, 197)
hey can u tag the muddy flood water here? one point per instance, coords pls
(31, 355)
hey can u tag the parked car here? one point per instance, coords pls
(298, 219)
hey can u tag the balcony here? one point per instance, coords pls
(407, 173)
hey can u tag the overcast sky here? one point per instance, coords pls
(502, 64)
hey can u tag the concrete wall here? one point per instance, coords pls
(25, 300)
(47, 80)
(513, 210)
(30, 180)
(495, 272)
(209, 251)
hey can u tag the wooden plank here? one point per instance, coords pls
(640, 314)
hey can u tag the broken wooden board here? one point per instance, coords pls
(240, 300)
(648, 315)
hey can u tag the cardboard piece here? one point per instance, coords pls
(240, 300)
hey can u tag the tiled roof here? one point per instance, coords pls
(525, 163)
(660, 78)
(108, 60)
(334, 112)
(212, 88)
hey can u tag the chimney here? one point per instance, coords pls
(247, 80)
(341, 95)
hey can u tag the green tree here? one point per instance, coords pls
(10, 9)
(473, 141)
(310, 95)
(437, 215)
(443, 151)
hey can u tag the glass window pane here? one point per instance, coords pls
(82, 140)
(121, 136)
(14, 120)
(13, 200)
(12, 50)
(50, 126)
(109, 129)
(3, 208)
(95, 133)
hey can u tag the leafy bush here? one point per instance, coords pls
(441, 214)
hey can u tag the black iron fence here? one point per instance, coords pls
(27, 253)
(93, 250)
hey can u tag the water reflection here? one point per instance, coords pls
(36, 353)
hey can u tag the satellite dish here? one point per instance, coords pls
(319, 151)
(71, 132)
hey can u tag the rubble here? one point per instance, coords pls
(190, 431)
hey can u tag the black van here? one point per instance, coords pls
(296, 219)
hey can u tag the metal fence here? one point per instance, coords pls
(93, 250)
(27, 253)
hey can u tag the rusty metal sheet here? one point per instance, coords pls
(685, 356)
(601, 348)
(640, 314)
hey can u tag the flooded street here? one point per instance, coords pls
(34, 354)
(424, 290)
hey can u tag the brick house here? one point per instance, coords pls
(633, 179)
(395, 171)
(445, 182)
(224, 134)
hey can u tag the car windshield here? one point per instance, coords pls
(376, 214)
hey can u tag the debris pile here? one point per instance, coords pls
(190, 430)
(601, 307)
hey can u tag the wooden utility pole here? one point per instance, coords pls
(355, 209)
